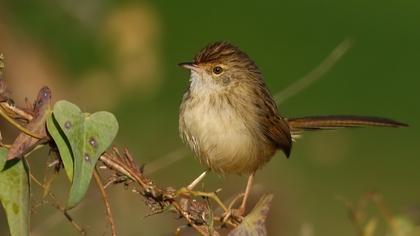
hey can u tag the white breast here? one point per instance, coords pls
(219, 137)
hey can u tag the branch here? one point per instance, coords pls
(106, 202)
(16, 124)
(159, 199)
(16, 110)
(58, 206)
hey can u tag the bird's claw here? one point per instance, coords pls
(234, 215)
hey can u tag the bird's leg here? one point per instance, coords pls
(238, 213)
(242, 208)
(192, 185)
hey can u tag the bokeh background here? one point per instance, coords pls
(121, 56)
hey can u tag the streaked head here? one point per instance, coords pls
(221, 63)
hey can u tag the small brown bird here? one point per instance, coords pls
(229, 118)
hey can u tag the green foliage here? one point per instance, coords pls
(62, 145)
(14, 194)
(88, 136)
(3, 157)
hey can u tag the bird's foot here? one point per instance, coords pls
(235, 216)
(185, 191)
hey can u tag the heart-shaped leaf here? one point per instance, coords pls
(14, 195)
(62, 144)
(89, 136)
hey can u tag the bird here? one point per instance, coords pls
(232, 124)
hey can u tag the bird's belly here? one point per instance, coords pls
(222, 141)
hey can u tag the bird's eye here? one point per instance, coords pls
(217, 70)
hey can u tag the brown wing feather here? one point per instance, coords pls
(273, 126)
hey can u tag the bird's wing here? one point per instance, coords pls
(274, 127)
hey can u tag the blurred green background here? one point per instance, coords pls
(121, 56)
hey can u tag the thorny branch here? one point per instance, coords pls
(162, 199)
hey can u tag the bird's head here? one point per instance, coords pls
(219, 65)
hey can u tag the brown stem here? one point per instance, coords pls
(25, 115)
(185, 215)
(384, 211)
(59, 207)
(116, 165)
(16, 124)
(106, 202)
(124, 164)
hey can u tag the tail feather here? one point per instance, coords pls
(339, 121)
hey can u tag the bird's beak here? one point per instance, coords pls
(188, 65)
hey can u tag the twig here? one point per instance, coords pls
(116, 164)
(352, 213)
(17, 125)
(185, 215)
(59, 207)
(384, 211)
(158, 199)
(106, 202)
(25, 115)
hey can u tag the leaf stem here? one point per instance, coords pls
(16, 124)
(106, 202)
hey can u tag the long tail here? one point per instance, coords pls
(337, 121)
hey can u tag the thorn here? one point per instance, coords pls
(55, 162)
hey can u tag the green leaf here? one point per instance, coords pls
(62, 144)
(3, 157)
(254, 222)
(89, 136)
(14, 195)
